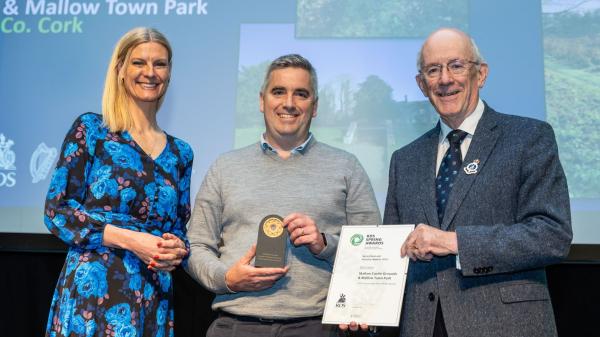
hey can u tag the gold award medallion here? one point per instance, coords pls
(273, 227)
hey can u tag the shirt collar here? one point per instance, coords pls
(298, 149)
(468, 125)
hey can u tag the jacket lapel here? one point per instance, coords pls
(484, 139)
(426, 186)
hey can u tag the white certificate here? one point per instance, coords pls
(368, 279)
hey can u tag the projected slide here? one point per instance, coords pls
(572, 75)
(54, 54)
(572, 64)
(379, 19)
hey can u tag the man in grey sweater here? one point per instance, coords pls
(316, 187)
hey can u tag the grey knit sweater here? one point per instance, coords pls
(242, 187)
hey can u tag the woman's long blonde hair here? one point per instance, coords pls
(115, 98)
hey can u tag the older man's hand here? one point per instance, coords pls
(427, 241)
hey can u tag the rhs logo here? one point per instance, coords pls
(341, 302)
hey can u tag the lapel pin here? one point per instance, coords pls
(472, 167)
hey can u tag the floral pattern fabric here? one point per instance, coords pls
(106, 178)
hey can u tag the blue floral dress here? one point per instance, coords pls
(106, 178)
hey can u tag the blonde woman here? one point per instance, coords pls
(119, 198)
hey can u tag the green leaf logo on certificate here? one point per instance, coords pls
(356, 239)
(368, 279)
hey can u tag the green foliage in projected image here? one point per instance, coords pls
(380, 18)
(572, 75)
(250, 80)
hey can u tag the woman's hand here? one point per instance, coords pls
(172, 250)
(145, 246)
(159, 253)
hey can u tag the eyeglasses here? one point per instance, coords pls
(455, 67)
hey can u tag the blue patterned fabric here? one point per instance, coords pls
(106, 178)
(448, 171)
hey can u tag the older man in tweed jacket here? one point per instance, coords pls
(490, 197)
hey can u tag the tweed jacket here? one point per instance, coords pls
(512, 218)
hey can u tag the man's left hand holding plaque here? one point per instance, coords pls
(271, 245)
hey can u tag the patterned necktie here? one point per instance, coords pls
(448, 171)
